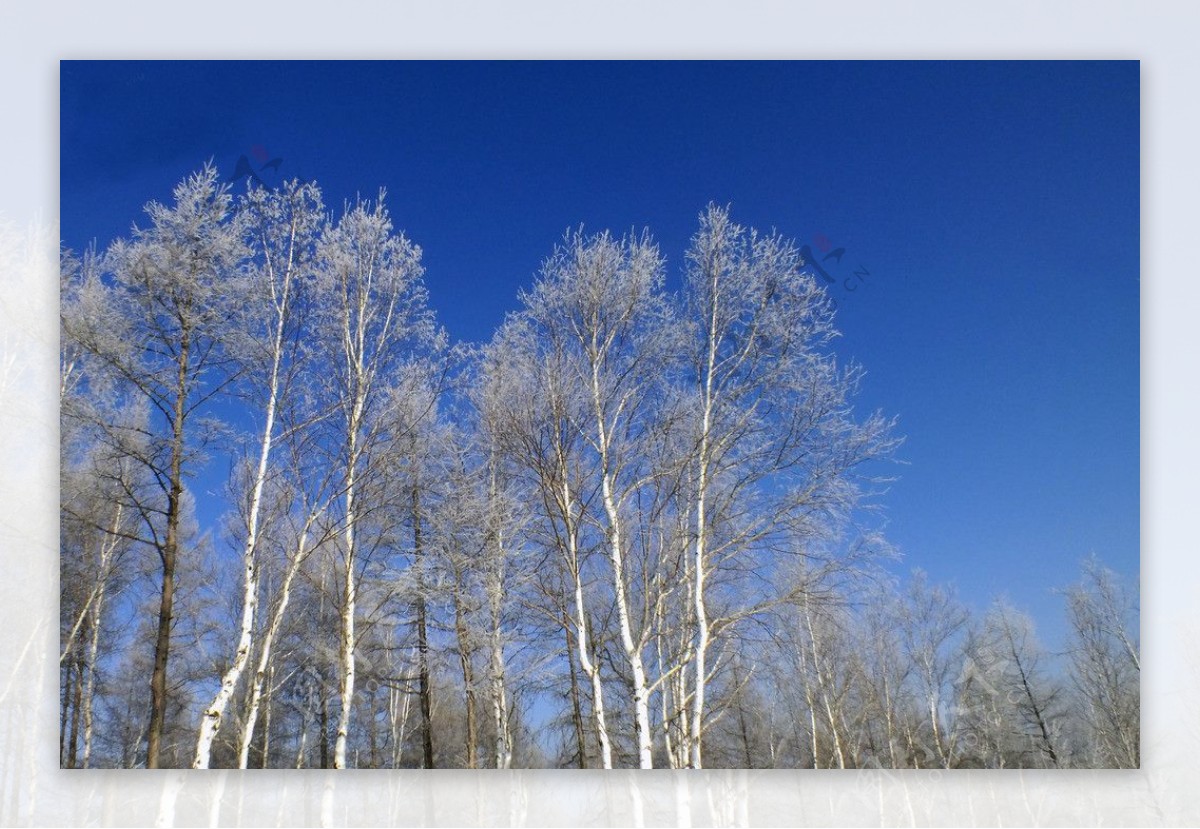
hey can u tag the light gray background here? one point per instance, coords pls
(32, 39)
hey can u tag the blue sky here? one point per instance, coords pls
(994, 207)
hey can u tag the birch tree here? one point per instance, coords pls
(887, 676)
(161, 339)
(372, 314)
(773, 443)
(931, 623)
(530, 362)
(281, 228)
(305, 485)
(638, 521)
(458, 544)
(1106, 665)
(98, 530)
(96, 535)
(475, 526)
(503, 528)
(605, 295)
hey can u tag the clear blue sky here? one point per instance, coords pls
(994, 205)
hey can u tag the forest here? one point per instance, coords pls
(638, 528)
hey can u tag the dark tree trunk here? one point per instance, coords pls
(324, 732)
(77, 706)
(64, 712)
(168, 553)
(464, 658)
(422, 633)
(576, 706)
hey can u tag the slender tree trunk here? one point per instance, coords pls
(616, 552)
(747, 756)
(811, 703)
(890, 722)
(468, 675)
(679, 721)
(500, 707)
(107, 552)
(823, 687)
(665, 699)
(581, 625)
(633, 653)
(401, 708)
(700, 564)
(73, 743)
(702, 634)
(64, 713)
(394, 725)
(499, 695)
(677, 715)
(265, 759)
(300, 751)
(933, 723)
(838, 751)
(422, 634)
(576, 707)
(268, 640)
(349, 595)
(103, 567)
(210, 722)
(89, 692)
(324, 731)
(169, 554)
(372, 732)
(503, 753)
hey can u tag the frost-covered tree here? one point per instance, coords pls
(1106, 665)
(602, 298)
(370, 316)
(280, 230)
(931, 624)
(157, 330)
(631, 529)
(1009, 711)
(531, 405)
(772, 442)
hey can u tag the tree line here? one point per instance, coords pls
(631, 530)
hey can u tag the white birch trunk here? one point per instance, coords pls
(811, 703)
(268, 640)
(503, 753)
(633, 651)
(702, 635)
(937, 732)
(210, 723)
(89, 688)
(96, 610)
(700, 563)
(103, 568)
(823, 688)
(665, 697)
(349, 600)
(582, 637)
(400, 707)
(500, 710)
(593, 674)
